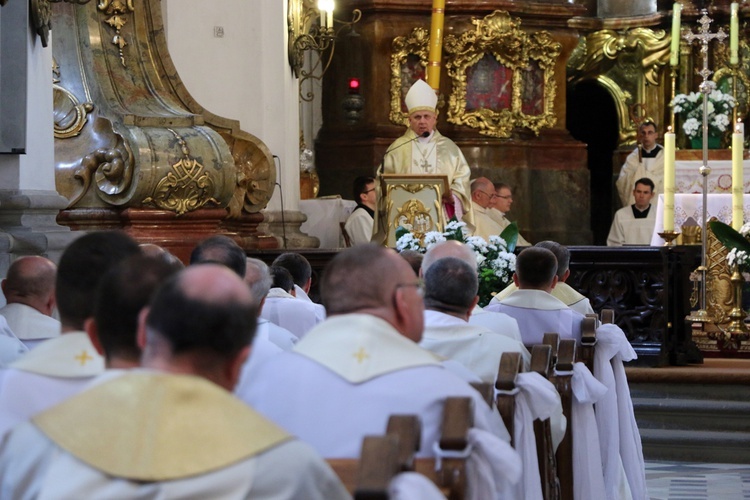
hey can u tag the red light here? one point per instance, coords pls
(354, 85)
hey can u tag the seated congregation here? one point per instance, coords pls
(225, 380)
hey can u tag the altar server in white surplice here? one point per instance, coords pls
(450, 293)
(647, 160)
(532, 305)
(61, 367)
(562, 290)
(634, 224)
(624, 469)
(29, 290)
(346, 377)
(493, 321)
(201, 441)
(301, 271)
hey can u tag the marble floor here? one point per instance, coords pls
(694, 481)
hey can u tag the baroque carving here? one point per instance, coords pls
(503, 78)
(186, 188)
(116, 10)
(625, 63)
(408, 64)
(111, 168)
(256, 176)
(69, 114)
(41, 19)
(413, 214)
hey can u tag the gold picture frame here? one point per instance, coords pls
(407, 50)
(498, 41)
(411, 200)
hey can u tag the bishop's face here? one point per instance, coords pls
(422, 121)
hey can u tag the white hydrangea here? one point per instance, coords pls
(691, 127)
(432, 238)
(477, 244)
(455, 224)
(498, 241)
(738, 257)
(480, 259)
(745, 229)
(721, 122)
(408, 242)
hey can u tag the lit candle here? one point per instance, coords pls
(669, 157)
(674, 54)
(326, 13)
(734, 34)
(737, 179)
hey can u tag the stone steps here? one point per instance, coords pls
(693, 422)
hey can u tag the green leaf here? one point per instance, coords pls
(510, 235)
(729, 237)
(400, 231)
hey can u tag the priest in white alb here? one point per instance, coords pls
(647, 160)
(634, 224)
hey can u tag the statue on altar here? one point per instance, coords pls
(430, 152)
(647, 160)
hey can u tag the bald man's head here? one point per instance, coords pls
(450, 248)
(31, 281)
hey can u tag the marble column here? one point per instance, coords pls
(29, 202)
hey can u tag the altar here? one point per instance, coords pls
(691, 205)
(688, 179)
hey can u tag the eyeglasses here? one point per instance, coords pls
(492, 196)
(369, 191)
(506, 197)
(419, 285)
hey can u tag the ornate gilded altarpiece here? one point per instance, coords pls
(502, 78)
(630, 65)
(133, 149)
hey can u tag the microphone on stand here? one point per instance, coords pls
(379, 171)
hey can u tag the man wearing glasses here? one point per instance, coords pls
(359, 224)
(487, 221)
(502, 203)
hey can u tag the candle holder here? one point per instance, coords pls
(737, 315)
(669, 237)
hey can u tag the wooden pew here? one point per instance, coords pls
(383, 457)
(607, 316)
(511, 364)
(588, 342)
(540, 362)
(487, 391)
(562, 378)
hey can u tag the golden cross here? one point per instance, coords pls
(361, 355)
(83, 357)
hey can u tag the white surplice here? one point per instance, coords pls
(289, 312)
(40, 459)
(55, 370)
(495, 321)
(29, 325)
(562, 292)
(320, 311)
(347, 376)
(537, 312)
(282, 337)
(475, 347)
(622, 453)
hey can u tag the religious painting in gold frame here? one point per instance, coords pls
(497, 58)
(408, 64)
(413, 201)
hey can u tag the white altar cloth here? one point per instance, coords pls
(689, 180)
(323, 218)
(691, 205)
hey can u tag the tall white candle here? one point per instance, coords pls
(734, 34)
(674, 53)
(738, 180)
(669, 179)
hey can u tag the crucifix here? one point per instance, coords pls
(704, 36)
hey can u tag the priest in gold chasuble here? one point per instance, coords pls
(430, 152)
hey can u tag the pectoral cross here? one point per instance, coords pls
(361, 355)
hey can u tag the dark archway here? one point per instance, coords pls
(592, 119)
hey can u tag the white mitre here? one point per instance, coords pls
(421, 97)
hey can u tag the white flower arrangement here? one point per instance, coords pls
(496, 262)
(690, 108)
(738, 257)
